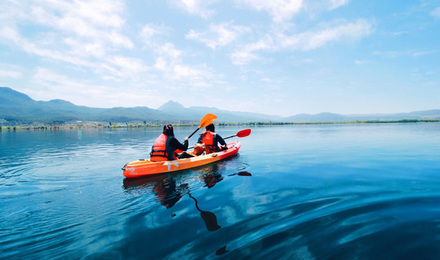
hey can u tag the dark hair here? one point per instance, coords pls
(210, 128)
(168, 130)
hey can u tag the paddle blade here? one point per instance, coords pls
(210, 220)
(244, 133)
(207, 120)
(204, 122)
(244, 173)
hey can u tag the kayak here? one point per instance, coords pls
(146, 167)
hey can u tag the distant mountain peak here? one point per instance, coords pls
(60, 102)
(171, 106)
(18, 107)
(12, 95)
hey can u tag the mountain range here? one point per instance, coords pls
(19, 108)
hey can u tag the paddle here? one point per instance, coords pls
(204, 122)
(242, 133)
(209, 217)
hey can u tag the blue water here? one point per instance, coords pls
(365, 191)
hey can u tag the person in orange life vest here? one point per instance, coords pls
(211, 140)
(164, 149)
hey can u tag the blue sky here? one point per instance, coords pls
(275, 57)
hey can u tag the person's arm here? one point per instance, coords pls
(221, 140)
(177, 145)
(222, 143)
(200, 140)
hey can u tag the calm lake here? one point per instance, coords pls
(358, 191)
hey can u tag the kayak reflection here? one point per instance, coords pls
(165, 188)
(168, 192)
(210, 175)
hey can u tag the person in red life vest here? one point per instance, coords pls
(211, 140)
(164, 149)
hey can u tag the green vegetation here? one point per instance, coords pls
(349, 122)
(82, 125)
(20, 111)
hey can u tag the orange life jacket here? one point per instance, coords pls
(159, 151)
(209, 141)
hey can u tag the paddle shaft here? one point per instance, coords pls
(204, 122)
(195, 131)
(223, 139)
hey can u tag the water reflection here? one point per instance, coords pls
(165, 188)
(209, 217)
(212, 176)
(242, 173)
(168, 192)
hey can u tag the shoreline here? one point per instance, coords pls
(95, 125)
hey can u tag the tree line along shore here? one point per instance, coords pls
(86, 125)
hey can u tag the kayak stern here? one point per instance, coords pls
(146, 167)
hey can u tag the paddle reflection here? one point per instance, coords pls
(168, 191)
(209, 217)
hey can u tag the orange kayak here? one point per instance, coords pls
(146, 167)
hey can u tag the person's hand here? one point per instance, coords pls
(186, 139)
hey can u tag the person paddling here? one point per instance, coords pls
(211, 140)
(164, 149)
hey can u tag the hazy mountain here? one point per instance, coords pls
(330, 117)
(171, 107)
(184, 113)
(20, 108)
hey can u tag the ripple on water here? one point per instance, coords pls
(350, 226)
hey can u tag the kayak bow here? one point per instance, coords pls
(146, 167)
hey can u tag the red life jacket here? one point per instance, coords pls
(159, 151)
(208, 140)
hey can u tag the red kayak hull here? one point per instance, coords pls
(146, 167)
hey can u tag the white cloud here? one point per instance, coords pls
(280, 10)
(242, 57)
(361, 62)
(87, 34)
(182, 71)
(219, 35)
(10, 74)
(80, 27)
(81, 49)
(47, 85)
(348, 31)
(305, 41)
(72, 16)
(168, 56)
(422, 53)
(170, 65)
(337, 3)
(149, 31)
(9, 34)
(266, 43)
(48, 52)
(98, 21)
(315, 39)
(436, 12)
(246, 53)
(196, 7)
(407, 53)
(127, 66)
